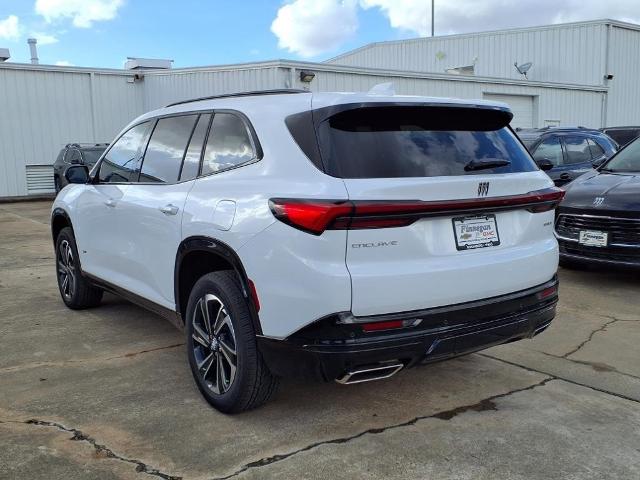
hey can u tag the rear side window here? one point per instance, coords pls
(392, 142)
(596, 150)
(166, 149)
(120, 161)
(228, 145)
(577, 149)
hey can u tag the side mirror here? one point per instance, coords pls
(544, 164)
(77, 174)
(598, 162)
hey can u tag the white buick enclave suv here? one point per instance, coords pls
(327, 235)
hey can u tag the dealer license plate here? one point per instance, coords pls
(474, 232)
(593, 238)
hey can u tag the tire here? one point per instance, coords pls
(228, 388)
(76, 291)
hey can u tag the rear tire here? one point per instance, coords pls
(76, 291)
(221, 346)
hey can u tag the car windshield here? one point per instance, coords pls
(627, 160)
(92, 156)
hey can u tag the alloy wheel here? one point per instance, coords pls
(66, 270)
(214, 344)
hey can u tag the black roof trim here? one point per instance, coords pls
(243, 94)
(86, 145)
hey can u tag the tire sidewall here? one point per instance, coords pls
(237, 308)
(66, 234)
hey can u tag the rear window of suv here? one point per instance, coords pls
(392, 142)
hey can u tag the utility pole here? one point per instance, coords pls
(433, 23)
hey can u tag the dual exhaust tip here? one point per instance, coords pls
(370, 373)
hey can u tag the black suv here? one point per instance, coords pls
(565, 153)
(622, 135)
(76, 154)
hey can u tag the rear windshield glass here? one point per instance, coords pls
(392, 142)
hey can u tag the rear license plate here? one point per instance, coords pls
(476, 232)
(593, 238)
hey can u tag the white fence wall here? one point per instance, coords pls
(43, 109)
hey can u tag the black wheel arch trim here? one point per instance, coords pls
(59, 212)
(221, 249)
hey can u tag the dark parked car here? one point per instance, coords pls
(622, 135)
(599, 219)
(75, 154)
(565, 153)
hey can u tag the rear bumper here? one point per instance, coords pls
(329, 348)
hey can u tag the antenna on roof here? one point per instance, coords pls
(385, 89)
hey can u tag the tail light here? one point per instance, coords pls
(316, 216)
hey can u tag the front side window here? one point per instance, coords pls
(550, 149)
(120, 161)
(398, 141)
(626, 160)
(163, 157)
(228, 145)
(577, 150)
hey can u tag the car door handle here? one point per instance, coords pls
(564, 176)
(169, 209)
(110, 203)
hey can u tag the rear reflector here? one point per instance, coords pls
(377, 326)
(316, 216)
(254, 295)
(548, 292)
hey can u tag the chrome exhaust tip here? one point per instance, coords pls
(370, 373)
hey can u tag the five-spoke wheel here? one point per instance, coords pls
(66, 270)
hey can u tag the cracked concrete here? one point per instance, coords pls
(564, 405)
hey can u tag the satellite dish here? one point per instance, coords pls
(524, 68)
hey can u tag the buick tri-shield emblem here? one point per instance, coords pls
(483, 189)
(598, 201)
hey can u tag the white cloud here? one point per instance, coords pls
(10, 28)
(81, 12)
(44, 38)
(312, 27)
(461, 16)
(64, 63)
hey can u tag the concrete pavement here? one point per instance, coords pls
(107, 393)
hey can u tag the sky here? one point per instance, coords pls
(103, 33)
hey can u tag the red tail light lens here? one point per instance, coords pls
(313, 216)
(548, 292)
(316, 216)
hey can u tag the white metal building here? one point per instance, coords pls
(45, 107)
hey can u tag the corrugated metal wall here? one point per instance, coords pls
(573, 53)
(569, 107)
(42, 110)
(623, 103)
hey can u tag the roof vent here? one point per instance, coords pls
(134, 63)
(4, 54)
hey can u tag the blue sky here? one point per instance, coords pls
(102, 33)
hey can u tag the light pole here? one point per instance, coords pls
(433, 28)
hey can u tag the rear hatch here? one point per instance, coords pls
(446, 204)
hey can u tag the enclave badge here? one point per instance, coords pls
(483, 189)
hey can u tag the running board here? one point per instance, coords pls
(370, 373)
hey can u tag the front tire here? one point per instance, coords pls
(221, 346)
(76, 291)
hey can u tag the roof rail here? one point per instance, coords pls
(242, 94)
(86, 145)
